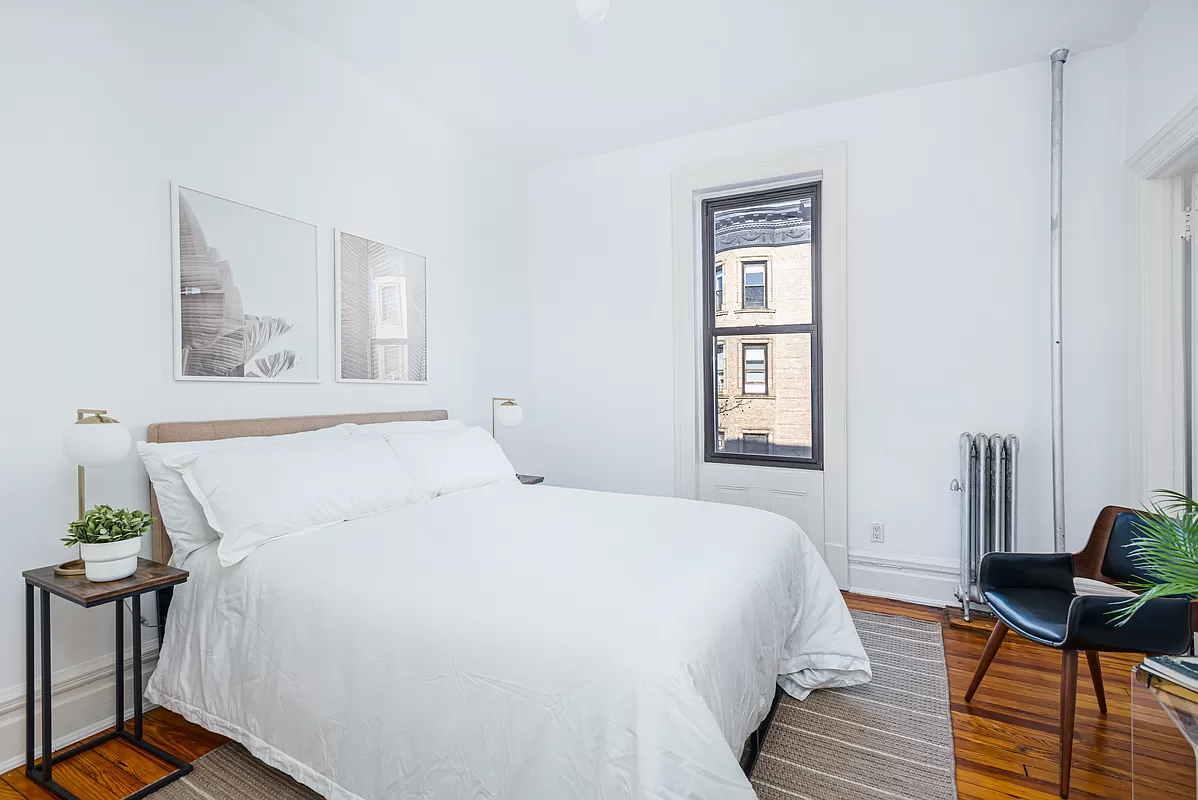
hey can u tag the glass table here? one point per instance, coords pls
(1164, 738)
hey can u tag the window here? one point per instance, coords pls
(754, 361)
(761, 379)
(391, 362)
(389, 303)
(754, 288)
(755, 443)
(389, 300)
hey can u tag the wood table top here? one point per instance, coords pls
(78, 589)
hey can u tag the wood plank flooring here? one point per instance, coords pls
(1006, 739)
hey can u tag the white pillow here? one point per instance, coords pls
(449, 461)
(409, 426)
(178, 509)
(251, 495)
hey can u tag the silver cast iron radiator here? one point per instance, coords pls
(988, 505)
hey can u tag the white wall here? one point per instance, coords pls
(1162, 68)
(948, 298)
(105, 103)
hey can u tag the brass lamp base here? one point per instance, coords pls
(71, 569)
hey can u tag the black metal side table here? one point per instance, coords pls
(150, 577)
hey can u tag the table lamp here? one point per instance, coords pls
(95, 440)
(506, 412)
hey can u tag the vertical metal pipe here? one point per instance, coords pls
(963, 487)
(1058, 417)
(1012, 488)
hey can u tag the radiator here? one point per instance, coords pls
(988, 504)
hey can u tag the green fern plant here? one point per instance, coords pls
(1166, 551)
(104, 524)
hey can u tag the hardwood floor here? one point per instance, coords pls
(1006, 739)
(115, 769)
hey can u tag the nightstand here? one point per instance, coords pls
(530, 480)
(150, 577)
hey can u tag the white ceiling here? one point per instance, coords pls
(533, 75)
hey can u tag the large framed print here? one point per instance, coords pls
(246, 292)
(382, 308)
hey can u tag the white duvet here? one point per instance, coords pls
(510, 642)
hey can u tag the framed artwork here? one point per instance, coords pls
(246, 292)
(382, 326)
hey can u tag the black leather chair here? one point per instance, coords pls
(1033, 594)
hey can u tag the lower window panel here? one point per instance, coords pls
(776, 419)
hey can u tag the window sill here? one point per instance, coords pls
(755, 397)
(744, 310)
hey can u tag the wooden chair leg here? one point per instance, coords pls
(1068, 706)
(1096, 677)
(992, 644)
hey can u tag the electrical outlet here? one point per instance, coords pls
(877, 532)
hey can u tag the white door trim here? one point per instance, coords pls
(1156, 399)
(828, 164)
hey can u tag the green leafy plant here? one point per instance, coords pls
(104, 524)
(1166, 551)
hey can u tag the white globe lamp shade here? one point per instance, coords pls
(592, 11)
(96, 442)
(509, 415)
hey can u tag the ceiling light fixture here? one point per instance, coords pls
(592, 11)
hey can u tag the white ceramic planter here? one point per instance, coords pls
(110, 561)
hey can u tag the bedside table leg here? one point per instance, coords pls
(30, 706)
(137, 688)
(47, 680)
(120, 665)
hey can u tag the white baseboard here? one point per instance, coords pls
(84, 703)
(927, 581)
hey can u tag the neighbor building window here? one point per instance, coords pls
(761, 371)
(754, 288)
(755, 444)
(389, 301)
(391, 362)
(755, 363)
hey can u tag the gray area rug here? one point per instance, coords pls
(889, 740)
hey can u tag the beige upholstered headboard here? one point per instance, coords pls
(232, 428)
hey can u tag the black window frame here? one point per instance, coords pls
(711, 332)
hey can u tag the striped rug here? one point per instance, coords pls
(891, 739)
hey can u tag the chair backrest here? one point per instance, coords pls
(1117, 564)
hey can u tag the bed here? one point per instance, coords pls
(504, 641)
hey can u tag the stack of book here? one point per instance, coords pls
(1180, 674)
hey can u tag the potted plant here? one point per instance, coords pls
(1166, 551)
(109, 541)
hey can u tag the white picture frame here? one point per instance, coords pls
(384, 308)
(278, 298)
